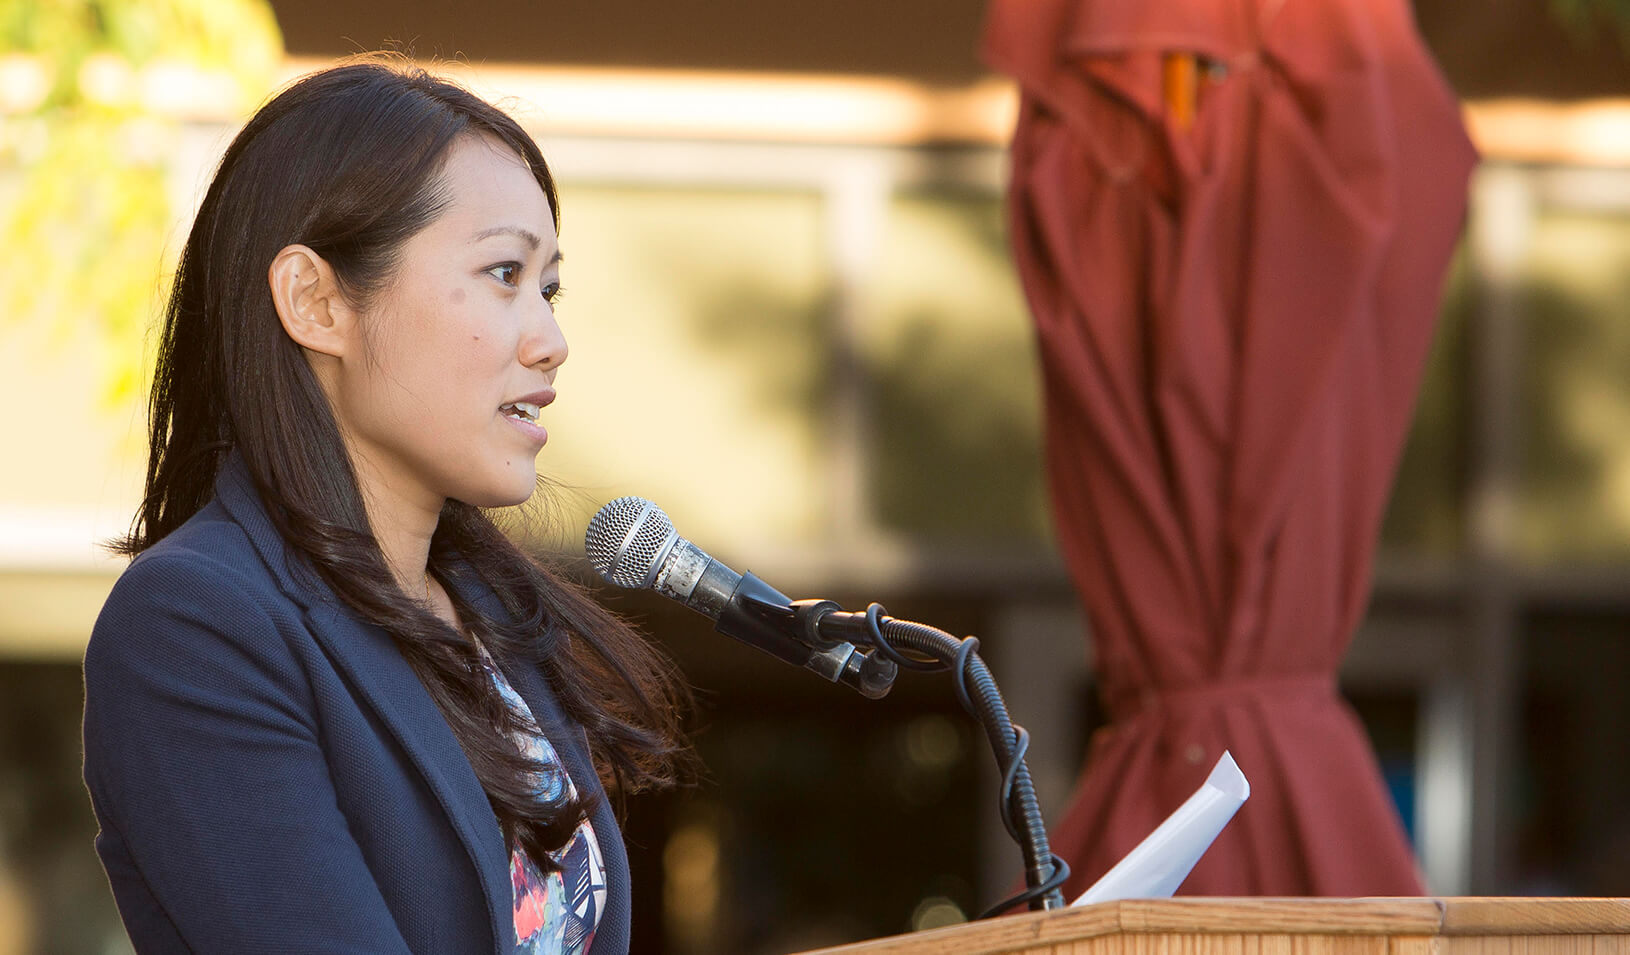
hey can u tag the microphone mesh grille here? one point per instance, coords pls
(623, 558)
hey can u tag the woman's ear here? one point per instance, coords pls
(307, 297)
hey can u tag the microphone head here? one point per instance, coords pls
(628, 540)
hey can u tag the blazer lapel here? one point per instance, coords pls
(528, 681)
(369, 660)
(571, 744)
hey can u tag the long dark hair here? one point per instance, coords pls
(348, 161)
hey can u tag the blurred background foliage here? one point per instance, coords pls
(1574, 400)
(1582, 16)
(86, 202)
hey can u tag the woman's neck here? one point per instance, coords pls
(403, 524)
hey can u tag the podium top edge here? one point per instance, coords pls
(1377, 916)
(1536, 916)
(1199, 916)
(1209, 915)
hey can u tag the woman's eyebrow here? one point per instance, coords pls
(526, 235)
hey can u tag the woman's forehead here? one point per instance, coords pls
(490, 187)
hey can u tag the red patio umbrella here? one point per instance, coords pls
(1231, 219)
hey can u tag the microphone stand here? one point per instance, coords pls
(633, 544)
(823, 624)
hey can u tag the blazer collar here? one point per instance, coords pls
(235, 489)
(368, 658)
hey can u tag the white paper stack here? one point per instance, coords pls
(1162, 861)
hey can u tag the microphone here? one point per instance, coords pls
(633, 544)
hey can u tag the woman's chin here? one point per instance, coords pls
(510, 492)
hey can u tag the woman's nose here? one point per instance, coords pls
(545, 344)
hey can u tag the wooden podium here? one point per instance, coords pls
(1211, 926)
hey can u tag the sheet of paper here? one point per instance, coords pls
(1162, 861)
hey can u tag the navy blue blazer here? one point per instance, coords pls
(269, 774)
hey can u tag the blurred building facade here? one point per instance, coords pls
(794, 326)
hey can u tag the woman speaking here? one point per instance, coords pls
(329, 706)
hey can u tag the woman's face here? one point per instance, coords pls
(461, 349)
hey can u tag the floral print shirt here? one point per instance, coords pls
(555, 913)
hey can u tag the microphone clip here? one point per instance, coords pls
(761, 616)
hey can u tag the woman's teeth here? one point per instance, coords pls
(523, 411)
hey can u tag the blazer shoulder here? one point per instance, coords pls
(204, 584)
(209, 536)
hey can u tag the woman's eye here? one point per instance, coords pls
(552, 292)
(508, 273)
